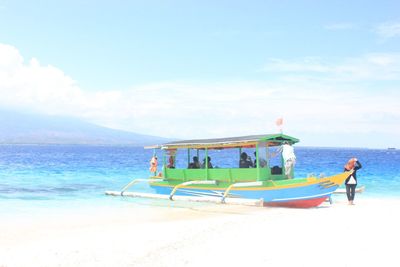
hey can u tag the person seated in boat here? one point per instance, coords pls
(263, 162)
(276, 170)
(171, 162)
(195, 164)
(210, 166)
(153, 164)
(245, 161)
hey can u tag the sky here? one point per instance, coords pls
(202, 69)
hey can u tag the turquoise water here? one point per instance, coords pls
(71, 176)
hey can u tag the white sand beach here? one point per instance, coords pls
(365, 234)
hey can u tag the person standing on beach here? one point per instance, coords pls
(351, 181)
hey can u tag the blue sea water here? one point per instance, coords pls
(70, 176)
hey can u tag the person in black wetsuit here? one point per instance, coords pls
(351, 181)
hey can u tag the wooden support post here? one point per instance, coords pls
(258, 163)
(206, 161)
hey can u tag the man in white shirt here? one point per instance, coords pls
(289, 158)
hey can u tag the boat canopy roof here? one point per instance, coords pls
(230, 142)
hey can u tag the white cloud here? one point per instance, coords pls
(388, 29)
(10, 57)
(369, 67)
(194, 110)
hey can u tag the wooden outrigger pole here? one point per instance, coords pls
(210, 199)
(216, 200)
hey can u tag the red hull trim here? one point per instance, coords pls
(302, 203)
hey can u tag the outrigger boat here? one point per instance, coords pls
(266, 184)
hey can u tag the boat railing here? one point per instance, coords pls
(227, 175)
(135, 181)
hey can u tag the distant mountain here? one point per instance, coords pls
(20, 128)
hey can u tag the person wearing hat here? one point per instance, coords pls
(351, 181)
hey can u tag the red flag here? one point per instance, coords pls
(279, 122)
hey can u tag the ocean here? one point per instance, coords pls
(43, 177)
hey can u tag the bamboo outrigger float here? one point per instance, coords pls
(263, 185)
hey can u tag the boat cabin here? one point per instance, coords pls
(230, 160)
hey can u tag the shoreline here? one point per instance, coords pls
(201, 235)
